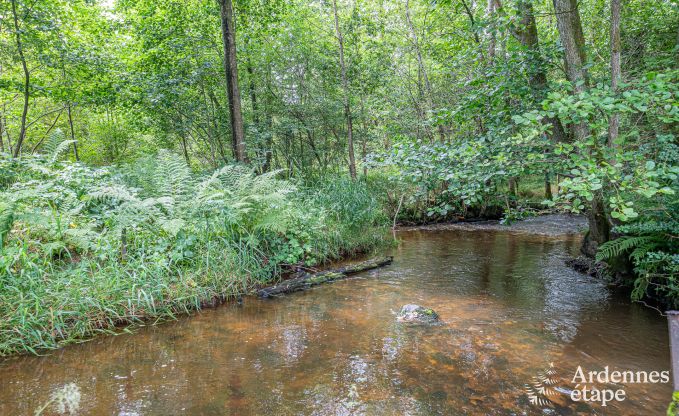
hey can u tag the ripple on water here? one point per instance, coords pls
(508, 304)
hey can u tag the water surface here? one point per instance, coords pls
(509, 306)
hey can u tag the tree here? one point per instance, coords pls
(614, 121)
(27, 80)
(420, 63)
(573, 42)
(347, 97)
(537, 77)
(231, 70)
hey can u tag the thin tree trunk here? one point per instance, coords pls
(44, 136)
(423, 70)
(537, 78)
(345, 86)
(253, 91)
(2, 114)
(548, 187)
(185, 149)
(2, 132)
(490, 10)
(472, 21)
(253, 100)
(216, 121)
(268, 152)
(27, 80)
(232, 90)
(70, 123)
(614, 122)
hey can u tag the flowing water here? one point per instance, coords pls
(510, 309)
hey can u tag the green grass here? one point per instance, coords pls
(90, 251)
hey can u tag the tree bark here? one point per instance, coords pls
(232, 90)
(27, 81)
(306, 280)
(573, 41)
(614, 122)
(347, 101)
(537, 77)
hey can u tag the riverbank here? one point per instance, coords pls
(87, 251)
(550, 225)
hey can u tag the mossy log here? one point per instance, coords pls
(307, 280)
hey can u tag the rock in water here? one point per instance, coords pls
(417, 314)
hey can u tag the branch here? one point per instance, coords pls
(47, 132)
(43, 115)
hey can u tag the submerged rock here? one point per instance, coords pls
(417, 314)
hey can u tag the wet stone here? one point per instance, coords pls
(417, 314)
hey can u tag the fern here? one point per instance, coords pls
(172, 177)
(615, 248)
(56, 145)
(53, 141)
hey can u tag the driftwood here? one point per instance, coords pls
(307, 280)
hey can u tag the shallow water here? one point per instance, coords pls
(509, 308)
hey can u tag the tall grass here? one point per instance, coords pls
(85, 250)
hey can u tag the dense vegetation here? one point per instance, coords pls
(93, 248)
(159, 155)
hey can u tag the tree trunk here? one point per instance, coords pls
(537, 78)
(252, 89)
(420, 62)
(27, 81)
(490, 9)
(345, 86)
(2, 131)
(185, 150)
(70, 123)
(2, 114)
(305, 280)
(614, 122)
(232, 90)
(573, 41)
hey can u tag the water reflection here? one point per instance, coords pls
(509, 306)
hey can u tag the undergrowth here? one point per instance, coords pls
(85, 250)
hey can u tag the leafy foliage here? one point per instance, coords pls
(98, 251)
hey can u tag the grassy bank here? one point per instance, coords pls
(84, 250)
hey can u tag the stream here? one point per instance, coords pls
(510, 310)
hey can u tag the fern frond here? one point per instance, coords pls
(61, 148)
(172, 176)
(53, 141)
(113, 193)
(612, 249)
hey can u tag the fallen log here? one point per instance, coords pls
(307, 280)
